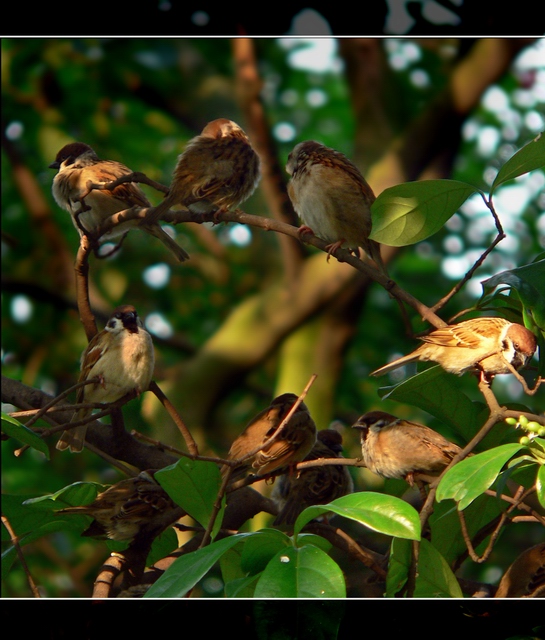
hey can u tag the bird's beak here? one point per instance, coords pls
(55, 165)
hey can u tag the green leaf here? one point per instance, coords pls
(194, 486)
(74, 495)
(410, 212)
(529, 158)
(436, 391)
(540, 485)
(305, 572)
(434, 577)
(385, 514)
(261, 548)
(473, 476)
(184, 573)
(528, 284)
(15, 429)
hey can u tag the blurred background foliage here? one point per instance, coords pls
(399, 107)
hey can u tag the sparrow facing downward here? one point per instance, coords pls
(484, 344)
(294, 442)
(77, 165)
(395, 448)
(317, 485)
(218, 169)
(332, 198)
(122, 358)
(132, 507)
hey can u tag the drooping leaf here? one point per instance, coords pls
(15, 429)
(386, 514)
(411, 212)
(434, 577)
(473, 476)
(528, 158)
(301, 572)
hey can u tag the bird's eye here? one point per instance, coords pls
(516, 345)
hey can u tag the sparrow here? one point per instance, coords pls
(483, 344)
(525, 578)
(132, 507)
(77, 165)
(122, 358)
(396, 448)
(218, 170)
(315, 485)
(294, 442)
(332, 198)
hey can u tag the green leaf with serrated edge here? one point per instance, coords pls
(305, 572)
(436, 392)
(184, 573)
(473, 476)
(411, 212)
(385, 514)
(74, 495)
(15, 429)
(434, 578)
(527, 282)
(194, 486)
(528, 158)
(540, 485)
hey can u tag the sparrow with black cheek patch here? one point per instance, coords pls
(316, 485)
(482, 344)
(294, 442)
(132, 507)
(332, 198)
(78, 165)
(121, 357)
(218, 170)
(395, 448)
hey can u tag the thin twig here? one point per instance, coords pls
(189, 441)
(15, 541)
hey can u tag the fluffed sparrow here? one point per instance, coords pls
(135, 506)
(483, 344)
(294, 442)
(395, 448)
(122, 358)
(332, 198)
(218, 170)
(77, 165)
(317, 485)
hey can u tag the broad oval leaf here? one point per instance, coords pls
(194, 486)
(74, 495)
(383, 513)
(304, 572)
(434, 579)
(260, 548)
(473, 476)
(184, 573)
(529, 158)
(540, 485)
(411, 212)
(15, 429)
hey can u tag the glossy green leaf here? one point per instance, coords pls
(15, 429)
(194, 485)
(540, 485)
(434, 577)
(304, 572)
(184, 573)
(473, 476)
(74, 495)
(260, 548)
(385, 514)
(435, 391)
(528, 158)
(411, 212)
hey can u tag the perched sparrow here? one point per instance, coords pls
(397, 448)
(525, 578)
(316, 485)
(294, 442)
(218, 169)
(332, 198)
(484, 344)
(77, 165)
(133, 506)
(121, 356)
